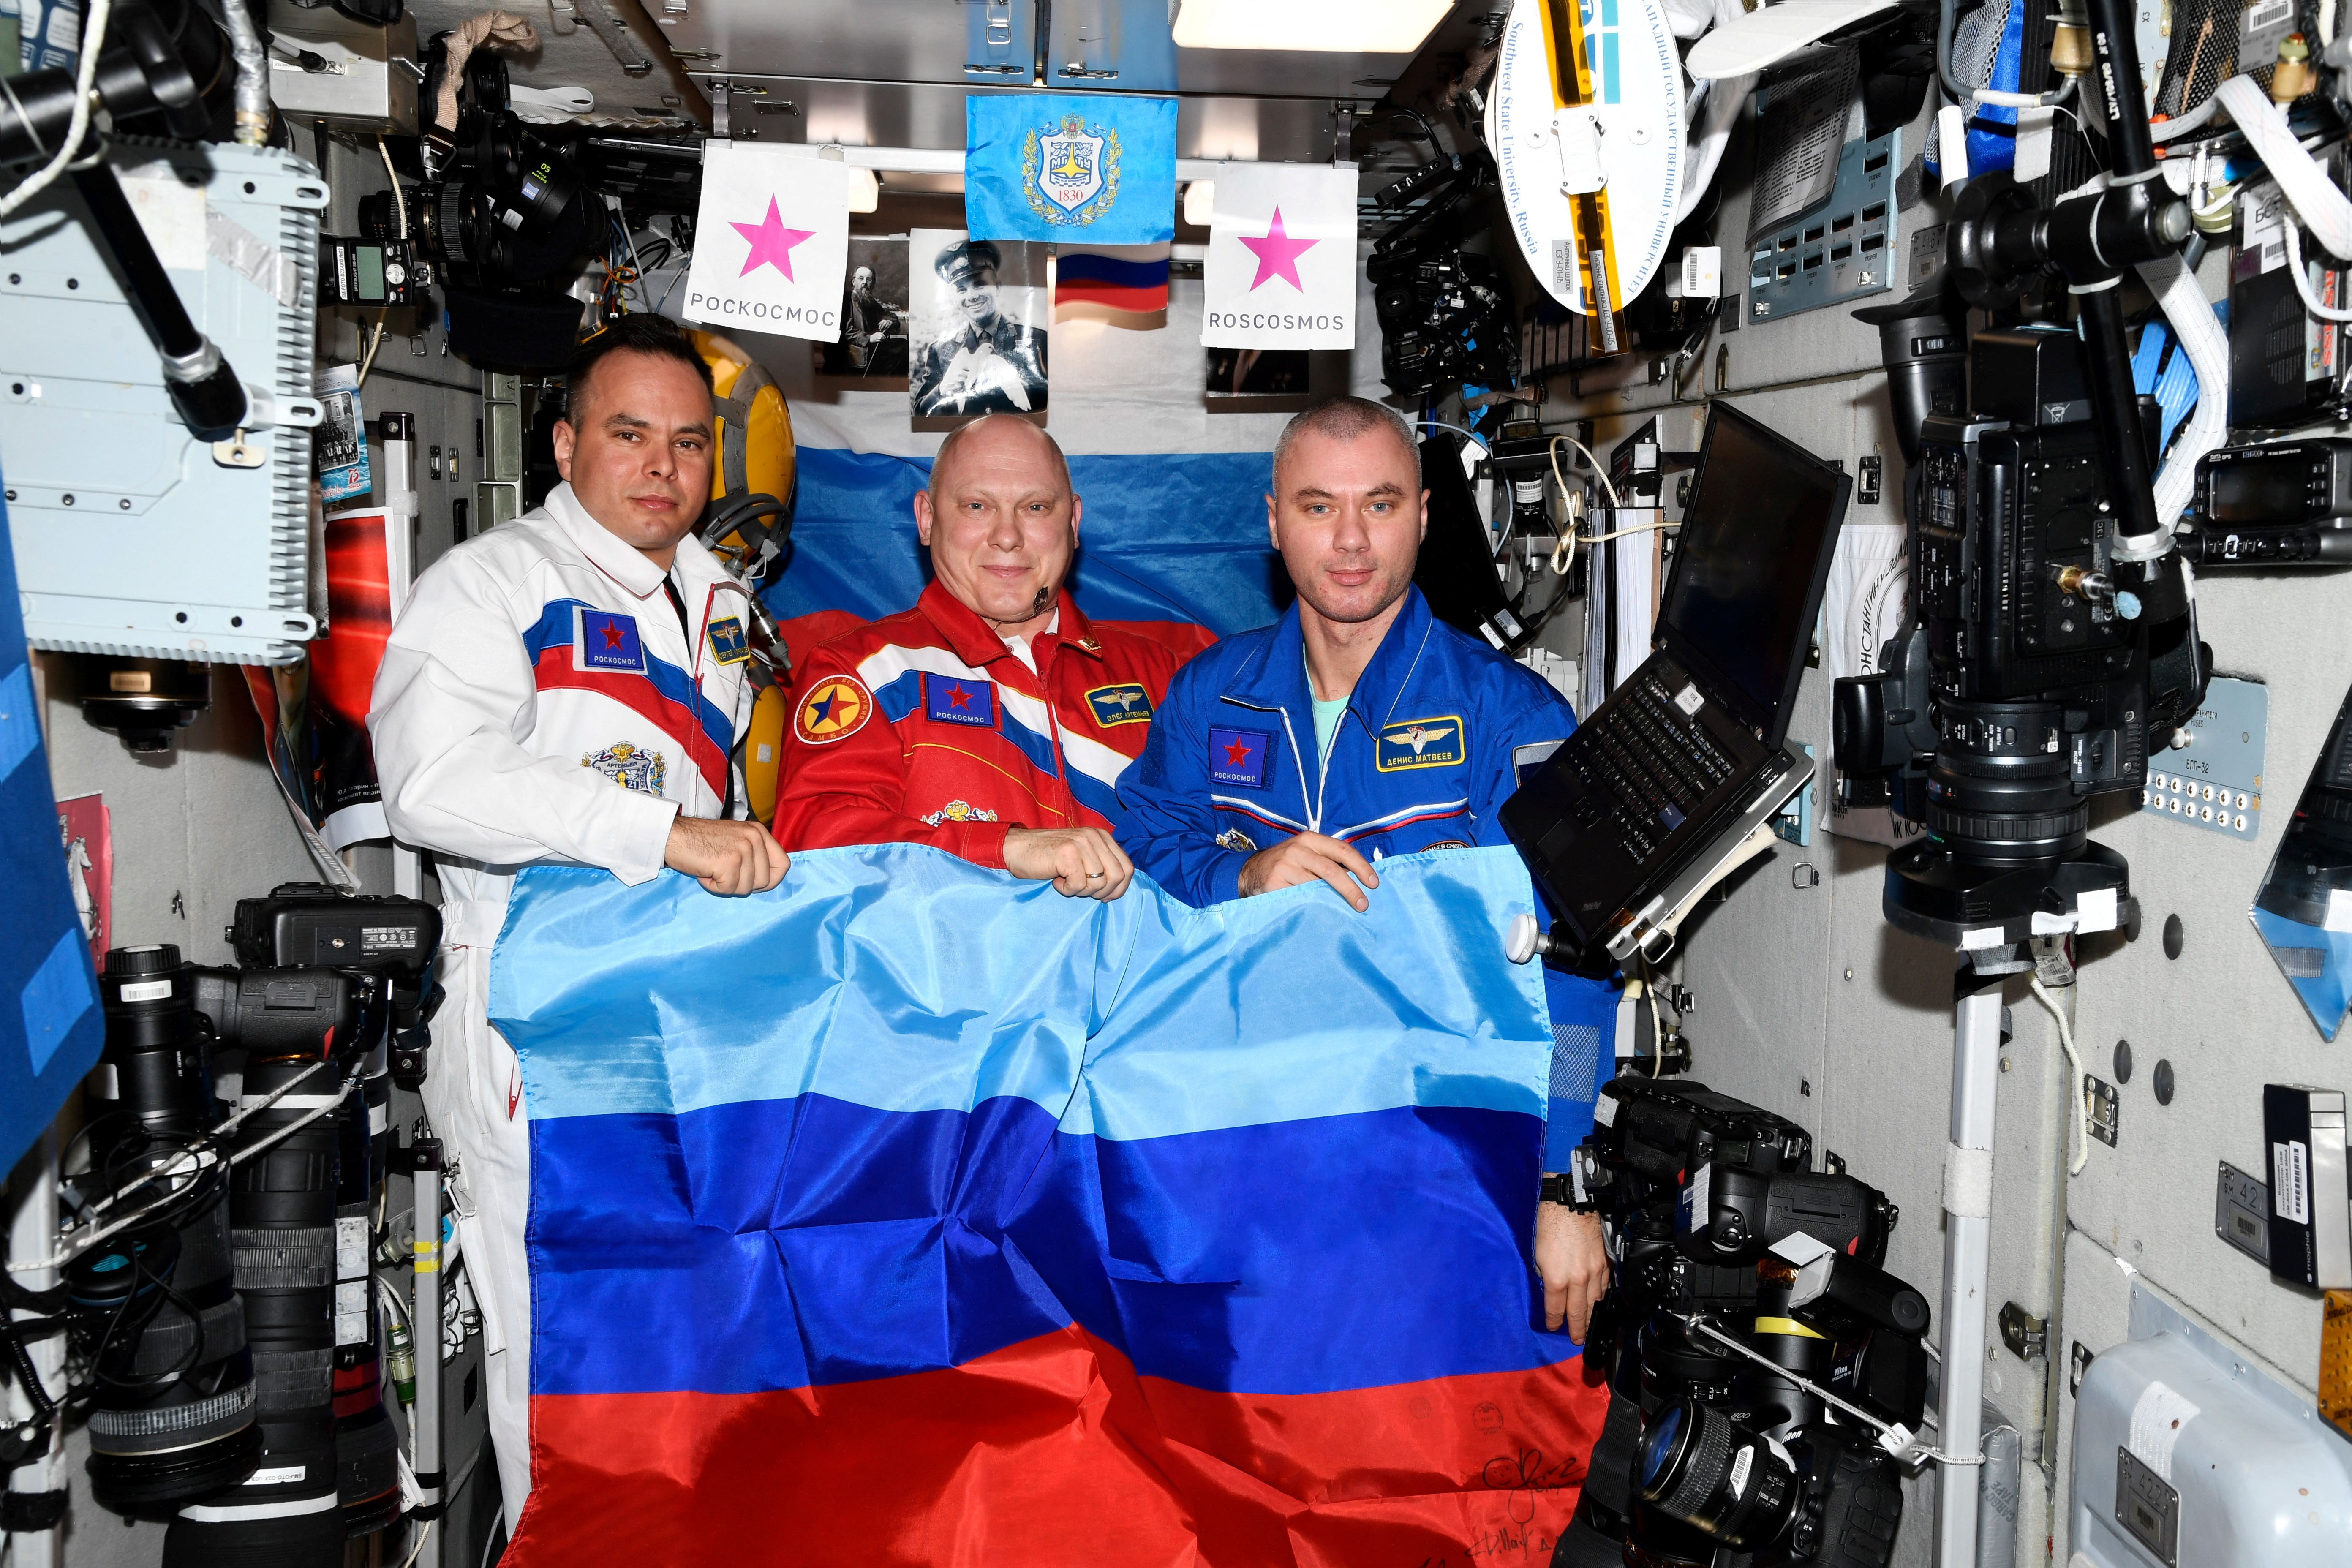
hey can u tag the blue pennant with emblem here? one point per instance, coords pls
(1065, 166)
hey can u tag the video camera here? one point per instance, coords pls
(503, 215)
(2039, 666)
(202, 1307)
(1749, 1317)
(1444, 313)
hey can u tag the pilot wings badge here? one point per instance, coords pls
(1421, 743)
(1070, 171)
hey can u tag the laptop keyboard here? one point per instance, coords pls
(1650, 768)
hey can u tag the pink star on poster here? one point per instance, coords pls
(1278, 254)
(772, 243)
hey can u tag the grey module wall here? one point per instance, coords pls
(1810, 989)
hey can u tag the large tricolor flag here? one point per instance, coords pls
(910, 1214)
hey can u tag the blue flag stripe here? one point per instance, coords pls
(919, 983)
(1290, 1258)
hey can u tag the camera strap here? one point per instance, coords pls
(1895, 1439)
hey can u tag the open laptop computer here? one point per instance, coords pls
(1652, 796)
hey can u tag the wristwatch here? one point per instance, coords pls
(1571, 1188)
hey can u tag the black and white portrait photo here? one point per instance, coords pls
(978, 335)
(873, 345)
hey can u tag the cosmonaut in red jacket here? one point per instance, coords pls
(992, 719)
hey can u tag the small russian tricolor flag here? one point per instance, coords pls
(1125, 285)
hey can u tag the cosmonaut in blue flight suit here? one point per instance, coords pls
(1236, 792)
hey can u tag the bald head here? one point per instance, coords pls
(997, 434)
(1001, 521)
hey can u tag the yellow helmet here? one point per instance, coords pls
(755, 429)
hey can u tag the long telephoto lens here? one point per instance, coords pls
(1695, 1464)
(366, 1447)
(289, 1514)
(2002, 789)
(155, 1308)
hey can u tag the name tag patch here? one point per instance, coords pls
(956, 700)
(608, 641)
(728, 644)
(1238, 756)
(1120, 705)
(1438, 743)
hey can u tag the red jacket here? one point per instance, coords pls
(925, 728)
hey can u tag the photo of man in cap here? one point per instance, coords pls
(980, 360)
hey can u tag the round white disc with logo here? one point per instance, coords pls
(1612, 163)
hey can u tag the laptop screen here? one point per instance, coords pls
(1749, 571)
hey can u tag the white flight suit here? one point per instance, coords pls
(538, 703)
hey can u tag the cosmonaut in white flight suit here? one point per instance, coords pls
(565, 689)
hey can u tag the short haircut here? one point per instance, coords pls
(639, 332)
(956, 437)
(1345, 419)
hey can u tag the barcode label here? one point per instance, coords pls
(2291, 1182)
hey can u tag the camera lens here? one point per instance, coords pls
(366, 1447)
(2002, 790)
(155, 1309)
(282, 1226)
(1697, 1465)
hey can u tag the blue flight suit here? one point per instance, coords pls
(1422, 759)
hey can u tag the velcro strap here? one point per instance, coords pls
(1968, 1181)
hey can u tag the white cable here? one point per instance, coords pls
(2082, 1154)
(399, 200)
(93, 42)
(2183, 124)
(1599, 472)
(416, 1551)
(1985, 95)
(2294, 269)
(2190, 314)
(2326, 210)
(1475, 439)
(374, 343)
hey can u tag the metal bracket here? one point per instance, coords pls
(1343, 135)
(607, 26)
(2027, 1336)
(236, 452)
(2099, 1100)
(2242, 1211)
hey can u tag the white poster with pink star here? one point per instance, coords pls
(1281, 270)
(771, 242)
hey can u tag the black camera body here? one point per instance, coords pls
(504, 217)
(1443, 313)
(2042, 661)
(392, 937)
(1708, 1202)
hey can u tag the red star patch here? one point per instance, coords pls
(1237, 754)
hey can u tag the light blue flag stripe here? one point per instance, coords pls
(899, 978)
